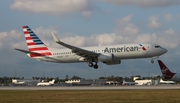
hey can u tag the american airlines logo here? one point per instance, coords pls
(121, 49)
(143, 48)
(164, 70)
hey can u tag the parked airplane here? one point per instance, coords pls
(167, 74)
(50, 83)
(110, 55)
(166, 81)
(128, 83)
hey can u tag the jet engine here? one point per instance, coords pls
(106, 57)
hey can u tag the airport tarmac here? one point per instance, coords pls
(90, 87)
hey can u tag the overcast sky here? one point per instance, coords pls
(89, 23)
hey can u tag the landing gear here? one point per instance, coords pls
(152, 61)
(93, 65)
(90, 64)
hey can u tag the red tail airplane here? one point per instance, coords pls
(167, 74)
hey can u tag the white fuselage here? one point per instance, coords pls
(176, 77)
(120, 52)
(44, 84)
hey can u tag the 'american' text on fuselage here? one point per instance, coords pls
(121, 49)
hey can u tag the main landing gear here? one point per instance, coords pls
(152, 61)
(93, 65)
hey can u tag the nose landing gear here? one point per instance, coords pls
(152, 59)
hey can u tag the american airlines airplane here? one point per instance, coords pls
(167, 74)
(110, 55)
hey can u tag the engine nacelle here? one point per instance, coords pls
(106, 57)
(82, 59)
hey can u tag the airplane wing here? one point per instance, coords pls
(79, 51)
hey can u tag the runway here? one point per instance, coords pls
(91, 87)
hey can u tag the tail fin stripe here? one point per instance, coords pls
(37, 40)
(28, 38)
(37, 49)
(34, 37)
(42, 54)
(25, 27)
(32, 43)
(28, 31)
(38, 43)
(30, 35)
(36, 46)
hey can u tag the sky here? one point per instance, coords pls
(88, 23)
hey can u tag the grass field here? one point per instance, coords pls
(90, 96)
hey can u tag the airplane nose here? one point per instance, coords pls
(164, 50)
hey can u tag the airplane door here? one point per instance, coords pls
(148, 50)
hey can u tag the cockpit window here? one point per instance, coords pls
(157, 46)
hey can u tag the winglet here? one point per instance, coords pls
(55, 38)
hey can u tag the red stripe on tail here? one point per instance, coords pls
(32, 43)
(38, 49)
(26, 32)
(28, 38)
(41, 54)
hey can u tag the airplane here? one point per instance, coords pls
(167, 74)
(110, 55)
(128, 83)
(166, 81)
(50, 83)
(16, 82)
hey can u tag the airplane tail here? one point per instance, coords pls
(165, 71)
(52, 82)
(34, 44)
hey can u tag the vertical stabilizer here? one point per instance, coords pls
(165, 71)
(52, 82)
(34, 44)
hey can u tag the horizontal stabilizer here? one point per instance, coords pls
(25, 51)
